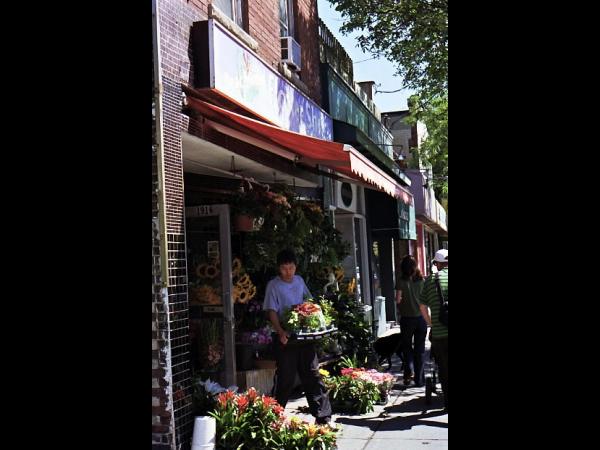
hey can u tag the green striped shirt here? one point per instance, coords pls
(430, 297)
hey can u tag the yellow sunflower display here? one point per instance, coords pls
(236, 267)
(352, 286)
(243, 288)
(212, 271)
(201, 270)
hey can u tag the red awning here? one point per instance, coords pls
(309, 150)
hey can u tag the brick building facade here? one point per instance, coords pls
(172, 415)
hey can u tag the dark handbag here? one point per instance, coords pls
(443, 315)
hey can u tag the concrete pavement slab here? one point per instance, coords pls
(352, 444)
(386, 444)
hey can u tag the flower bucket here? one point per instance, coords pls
(244, 356)
(243, 222)
(265, 364)
(204, 433)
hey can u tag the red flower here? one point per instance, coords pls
(278, 410)
(252, 394)
(225, 397)
(269, 401)
(242, 402)
(306, 309)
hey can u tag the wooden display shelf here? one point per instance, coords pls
(260, 379)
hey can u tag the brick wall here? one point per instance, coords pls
(171, 417)
(263, 18)
(263, 26)
(307, 35)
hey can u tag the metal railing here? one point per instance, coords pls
(331, 52)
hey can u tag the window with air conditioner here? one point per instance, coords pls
(290, 49)
(232, 9)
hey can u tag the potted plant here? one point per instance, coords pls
(352, 393)
(252, 204)
(308, 320)
(253, 421)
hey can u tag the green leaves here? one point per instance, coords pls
(412, 34)
(434, 149)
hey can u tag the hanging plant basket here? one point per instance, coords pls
(243, 222)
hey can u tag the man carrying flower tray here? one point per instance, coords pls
(282, 293)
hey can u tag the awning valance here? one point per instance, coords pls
(342, 158)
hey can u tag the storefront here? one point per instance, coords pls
(432, 227)
(392, 229)
(242, 141)
(270, 169)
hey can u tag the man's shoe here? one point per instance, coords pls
(323, 420)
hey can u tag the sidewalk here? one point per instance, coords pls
(405, 422)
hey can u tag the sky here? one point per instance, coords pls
(379, 70)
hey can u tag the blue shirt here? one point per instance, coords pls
(281, 295)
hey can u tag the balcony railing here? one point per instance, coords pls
(331, 52)
(441, 216)
(346, 106)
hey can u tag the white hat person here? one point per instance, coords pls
(441, 256)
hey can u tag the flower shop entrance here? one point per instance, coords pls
(208, 239)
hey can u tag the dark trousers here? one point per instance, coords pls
(439, 347)
(413, 331)
(300, 358)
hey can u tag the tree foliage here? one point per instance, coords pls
(412, 34)
(434, 149)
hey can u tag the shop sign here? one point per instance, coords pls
(213, 249)
(406, 221)
(239, 74)
(200, 211)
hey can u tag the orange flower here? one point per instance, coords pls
(242, 402)
(269, 401)
(225, 397)
(252, 394)
(295, 423)
(312, 430)
(278, 410)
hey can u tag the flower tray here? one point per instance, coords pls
(313, 336)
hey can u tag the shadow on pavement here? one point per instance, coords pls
(372, 424)
(406, 423)
(400, 422)
(416, 405)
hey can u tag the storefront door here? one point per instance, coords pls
(208, 240)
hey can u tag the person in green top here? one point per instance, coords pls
(430, 300)
(412, 324)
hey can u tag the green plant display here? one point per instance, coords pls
(303, 227)
(252, 421)
(355, 334)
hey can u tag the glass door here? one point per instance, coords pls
(208, 239)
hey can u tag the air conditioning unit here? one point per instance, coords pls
(291, 53)
(346, 197)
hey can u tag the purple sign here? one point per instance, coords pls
(238, 73)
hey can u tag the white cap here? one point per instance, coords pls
(441, 256)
